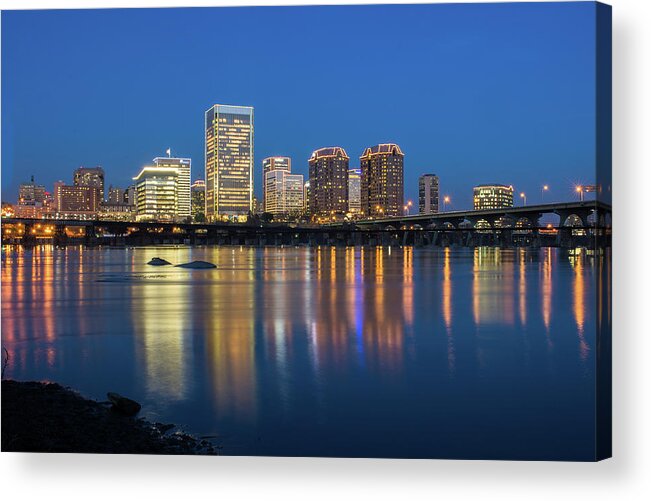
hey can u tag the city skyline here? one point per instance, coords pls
(518, 127)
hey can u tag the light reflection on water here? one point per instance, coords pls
(380, 351)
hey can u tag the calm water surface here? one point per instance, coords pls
(380, 352)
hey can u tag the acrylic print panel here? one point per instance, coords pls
(350, 231)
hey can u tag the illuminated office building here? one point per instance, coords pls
(428, 194)
(184, 166)
(269, 164)
(31, 193)
(130, 195)
(116, 212)
(492, 196)
(328, 183)
(92, 177)
(77, 201)
(284, 193)
(354, 191)
(382, 180)
(306, 198)
(229, 162)
(31, 200)
(156, 193)
(199, 200)
(115, 195)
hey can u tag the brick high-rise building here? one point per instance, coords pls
(382, 180)
(328, 183)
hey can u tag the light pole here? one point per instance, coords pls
(409, 204)
(524, 198)
(446, 201)
(579, 190)
(542, 192)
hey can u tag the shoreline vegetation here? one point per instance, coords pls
(47, 417)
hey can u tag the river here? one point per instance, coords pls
(358, 351)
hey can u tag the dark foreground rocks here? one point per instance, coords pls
(46, 417)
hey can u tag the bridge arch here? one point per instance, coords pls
(506, 221)
(574, 220)
(483, 224)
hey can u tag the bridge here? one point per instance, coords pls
(514, 226)
(527, 215)
(586, 223)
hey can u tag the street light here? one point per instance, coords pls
(579, 190)
(446, 201)
(524, 198)
(542, 192)
(408, 206)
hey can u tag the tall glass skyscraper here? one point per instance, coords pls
(229, 162)
(354, 191)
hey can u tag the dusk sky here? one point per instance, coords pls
(476, 93)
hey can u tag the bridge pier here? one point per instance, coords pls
(506, 237)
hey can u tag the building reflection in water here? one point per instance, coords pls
(493, 286)
(446, 308)
(546, 291)
(230, 337)
(408, 285)
(351, 323)
(30, 289)
(277, 310)
(161, 315)
(522, 286)
(579, 304)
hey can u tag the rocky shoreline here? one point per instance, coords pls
(46, 417)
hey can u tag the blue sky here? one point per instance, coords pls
(474, 93)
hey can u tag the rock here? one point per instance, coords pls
(123, 405)
(164, 428)
(158, 262)
(197, 265)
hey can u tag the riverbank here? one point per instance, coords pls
(46, 417)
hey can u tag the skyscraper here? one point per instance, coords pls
(90, 176)
(269, 164)
(284, 193)
(492, 196)
(199, 201)
(77, 201)
(229, 162)
(354, 191)
(184, 166)
(156, 193)
(382, 180)
(428, 194)
(306, 198)
(30, 193)
(328, 182)
(31, 199)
